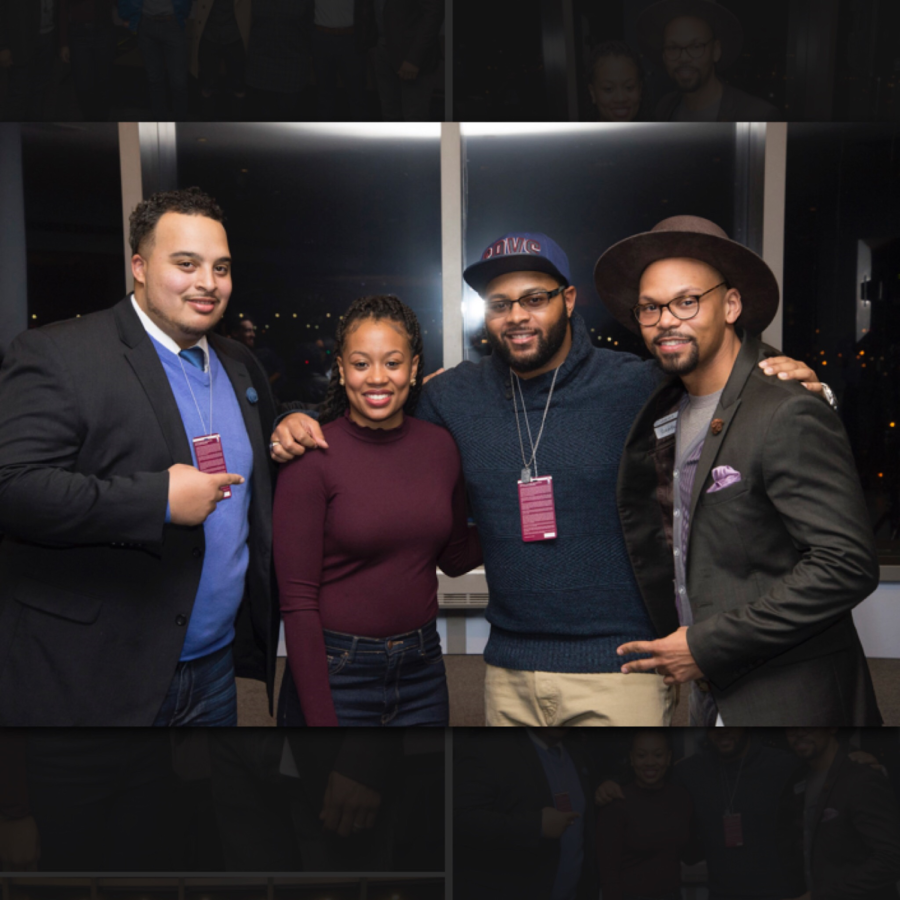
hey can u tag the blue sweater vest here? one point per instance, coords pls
(225, 530)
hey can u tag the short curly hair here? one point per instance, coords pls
(187, 201)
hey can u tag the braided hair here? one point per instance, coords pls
(385, 306)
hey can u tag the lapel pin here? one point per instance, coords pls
(717, 426)
(252, 396)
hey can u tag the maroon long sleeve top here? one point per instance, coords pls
(358, 531)
(640, 840)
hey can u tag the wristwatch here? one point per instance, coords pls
(829, 396)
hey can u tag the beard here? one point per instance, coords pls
(192, 330)
(547, 347)
(684, 363)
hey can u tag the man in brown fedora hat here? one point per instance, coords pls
(696, 40)
(741, 487)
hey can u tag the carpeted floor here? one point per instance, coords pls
(465, 675)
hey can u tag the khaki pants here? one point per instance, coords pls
(512, 697)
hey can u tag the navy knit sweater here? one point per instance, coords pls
(561, 605)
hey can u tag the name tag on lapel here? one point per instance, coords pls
(666, 426)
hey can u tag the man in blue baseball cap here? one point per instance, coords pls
(541, 424)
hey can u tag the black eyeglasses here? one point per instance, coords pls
(530, 302)
(694, 51)
(649, 314)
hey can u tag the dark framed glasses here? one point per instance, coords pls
(686, 307)
(530, 302)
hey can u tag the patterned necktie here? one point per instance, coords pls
(195, 356)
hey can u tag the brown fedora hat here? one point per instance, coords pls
(617, 274)
(651, 26)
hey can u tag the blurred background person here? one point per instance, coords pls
(839, 825)
(616, 82)
(696, 40)
(279, 66)
(407, 56)
(319, 801)
(87, 42)
(87, 802)
(162, 40)
(642, 837)
(218, 33)
(522, 820)
(339, 55)
(28, 49)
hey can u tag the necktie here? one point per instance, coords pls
(195, 356)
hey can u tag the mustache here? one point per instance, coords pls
(673, 336)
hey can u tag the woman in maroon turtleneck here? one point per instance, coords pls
(640, 839)
(359, 529)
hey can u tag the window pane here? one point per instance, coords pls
(73, 219)
(588, 188)
(318, 216)
(842, 293)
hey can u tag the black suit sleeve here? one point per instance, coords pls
(811, 481)
(43, 496)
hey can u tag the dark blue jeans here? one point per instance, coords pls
(398, 680)
(203, 692)
(163, 45)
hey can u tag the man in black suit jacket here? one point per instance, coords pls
(107, 520)
(747, 484)
(839, 826)
(517, 836)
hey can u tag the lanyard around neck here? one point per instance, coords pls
(188, 380)
(527, 464)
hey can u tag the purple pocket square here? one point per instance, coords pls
(829, 814)
(723, 476)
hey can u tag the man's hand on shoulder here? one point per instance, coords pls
(294, 435)
(787, 369)
(428, 378)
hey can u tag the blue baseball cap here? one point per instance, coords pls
(518, 251)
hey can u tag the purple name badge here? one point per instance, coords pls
(211, 457)
(563, 802)
(537, 510)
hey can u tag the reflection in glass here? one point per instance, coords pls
(842, 293)
(73, 219)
